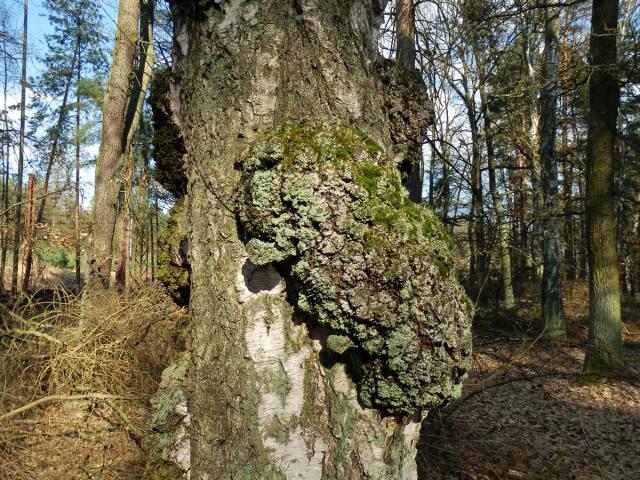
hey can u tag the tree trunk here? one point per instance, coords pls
(479, 257)
(501, 226)
(29, 228)
(406, 58)
(112, 146)
(567, 173)
(76, 206)
(406, 33)
(604, 351)
(552, 311)
(133, 116)
(23, 118)
(50, 161)
(123, 269)
(529, 54)
(5, 176)
(267, 399)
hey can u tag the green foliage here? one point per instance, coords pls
(55, 256)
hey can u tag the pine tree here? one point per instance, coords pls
(75, 63)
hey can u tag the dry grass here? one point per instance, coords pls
(97, 360)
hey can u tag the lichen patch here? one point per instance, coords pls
(323, 202)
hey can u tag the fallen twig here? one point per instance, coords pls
(64, 398)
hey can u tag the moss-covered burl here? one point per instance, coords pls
(323, 201)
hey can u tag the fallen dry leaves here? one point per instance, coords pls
(526, 413)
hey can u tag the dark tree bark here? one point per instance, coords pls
(604, 351)
(76, 206)
(406, 58)
(552, 310)
(406, 32)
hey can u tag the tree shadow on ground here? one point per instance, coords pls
(527, 414)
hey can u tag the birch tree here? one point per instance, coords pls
(285, 108)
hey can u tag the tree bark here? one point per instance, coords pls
(23, 118)
(112, 146)
(552, 310)
(502, 226)
(406, 58)
(406, 32)
(29, 228)
(76, 206)
(5, 173)
(144, 72)
(529, 54)
(264, 401)
(604, 351)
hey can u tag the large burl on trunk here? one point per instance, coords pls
(326, 319)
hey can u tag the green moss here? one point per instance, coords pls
(368, 176)
(282, 384)
(341, 421)
(281, 431)
(159, 469)
(164, 424)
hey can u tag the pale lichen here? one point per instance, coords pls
(167, 437)
(322, 202)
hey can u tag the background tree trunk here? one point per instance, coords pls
(112, 145)
(552, 311)
(263, 401)
(604, 351)
(76, 206)
(23, 119)
(406, 57)
(502, 227)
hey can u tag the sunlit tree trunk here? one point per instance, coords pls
(143, 74)
(23, 106)
(263, 400)
(112, 145)
(6, 149)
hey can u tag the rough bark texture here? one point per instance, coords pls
(112, 145)
(552, 311)
(406, 59)
(604, 351)
(267, 396)
(168, 144)
(406, 36)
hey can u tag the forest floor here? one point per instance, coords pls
(75, 354)
(528, 413)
